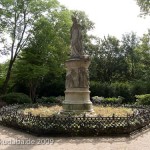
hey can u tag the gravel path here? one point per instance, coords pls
(10, 139)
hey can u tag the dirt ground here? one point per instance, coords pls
(11, 139)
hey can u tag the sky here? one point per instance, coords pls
(113, 17)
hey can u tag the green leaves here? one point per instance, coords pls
(17, 21)
(144, 7)
(46, 52)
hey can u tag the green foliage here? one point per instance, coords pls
(99, 89)
(111, 90)
(40, 30)
(143, 99)
(120, 60)
(3, 70)
(128, 90)
(130, 42)
(144, 52)
(13, 98)
(17, 20)
(51, 99)
(52, 86)
(121, 89)
(44, 58)
(144, 7)
(97, 99)
(112, 100)
(109, 61)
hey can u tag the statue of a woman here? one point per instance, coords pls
(76, 39)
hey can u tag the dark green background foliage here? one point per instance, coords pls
(128, 90)
(119, 67)
(15, 98)
(52, 99)
(143, 99)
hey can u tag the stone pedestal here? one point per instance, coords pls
(77, 94)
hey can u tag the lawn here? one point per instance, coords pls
(99, 110)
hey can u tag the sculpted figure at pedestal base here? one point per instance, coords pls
(77, 78)
(83, 78)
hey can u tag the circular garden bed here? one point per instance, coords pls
(45, 120)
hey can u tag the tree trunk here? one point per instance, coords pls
(33, 92)
(5, 84)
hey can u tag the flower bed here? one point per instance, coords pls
(12, 116)
(104, 111)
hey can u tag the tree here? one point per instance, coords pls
(46, 51)
(108, 61)
(144, 7)
(129, 44)
(3, 70)
(17, 18)
(144, 50)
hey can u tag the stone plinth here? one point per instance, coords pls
(77, 94)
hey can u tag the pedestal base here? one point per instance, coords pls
(77, 94)
(77, 100)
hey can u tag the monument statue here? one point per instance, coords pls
(76, 39)
(77, 94)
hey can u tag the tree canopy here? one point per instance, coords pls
(17, 19)
(144, 6)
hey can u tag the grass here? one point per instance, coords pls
(43, 110)
(109, 111)
(99, 110)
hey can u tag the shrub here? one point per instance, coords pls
(139, 88)
(123, 89)
(2, 104)
(128, 90)
(12, 98)
(99, 89)
(97, 99)
(143, 99)
(115, 89)
(51, 99)
(112, 100)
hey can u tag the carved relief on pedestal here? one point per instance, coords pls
(83, 77)
(72, 78)
(77, 78)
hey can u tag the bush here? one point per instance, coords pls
(121, 89)
(143, 99)
(128, 90)
(113, 100)
(97, 100)
(13, 98)
(51, 99)
(102, 100)
(112, 90)
(2, 104)
(99, 89)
